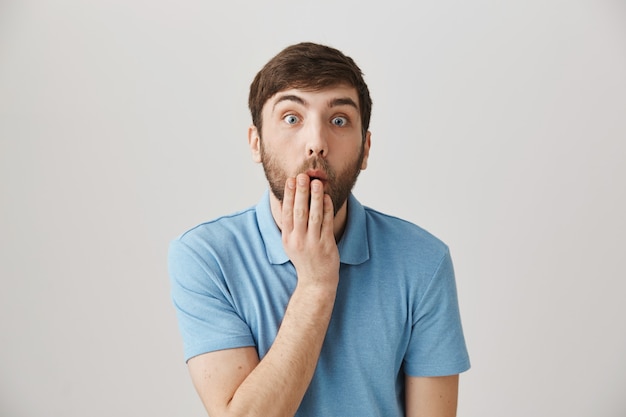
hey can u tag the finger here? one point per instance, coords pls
(316, 211)
(328, 223)
(288, 200)
(301, 203)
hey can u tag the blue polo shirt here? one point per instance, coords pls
(396, 309)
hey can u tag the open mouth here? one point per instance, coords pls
(316, 175)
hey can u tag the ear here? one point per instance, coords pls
(366, 149)
(254, 141)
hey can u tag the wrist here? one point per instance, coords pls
(319, 290)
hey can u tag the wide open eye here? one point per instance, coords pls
(339, 121)
(291, 119)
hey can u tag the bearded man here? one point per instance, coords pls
(309, 303)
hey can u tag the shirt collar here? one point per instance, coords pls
(353, 246)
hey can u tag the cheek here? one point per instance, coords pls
(279, 162)
(347, 150)
(284, 150)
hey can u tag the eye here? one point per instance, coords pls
(339, 121)
(291, 119)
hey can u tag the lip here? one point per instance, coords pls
(315, 174)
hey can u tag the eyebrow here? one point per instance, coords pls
(341, 101)
(290, 97)
(344, 101)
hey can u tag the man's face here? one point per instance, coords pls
(317, 133)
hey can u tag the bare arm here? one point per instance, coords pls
(432, 396)
(234, 382)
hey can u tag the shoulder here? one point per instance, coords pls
(209, 246)
(402, 235)
(216, 238)
(389, 224)
(229, 226)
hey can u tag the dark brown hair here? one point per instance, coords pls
(308, 66)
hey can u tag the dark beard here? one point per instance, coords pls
(339, 184)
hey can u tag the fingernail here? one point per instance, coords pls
(315, 186)
(301, 180)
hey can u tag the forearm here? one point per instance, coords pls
(277, 384)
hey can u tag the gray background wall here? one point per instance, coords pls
(498, 126)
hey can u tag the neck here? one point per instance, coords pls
(339, 221)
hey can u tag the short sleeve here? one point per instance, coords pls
(437, 344)
(206, 315)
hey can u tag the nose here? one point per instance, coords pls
(317, 145)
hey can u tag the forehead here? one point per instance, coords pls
(334, 96)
